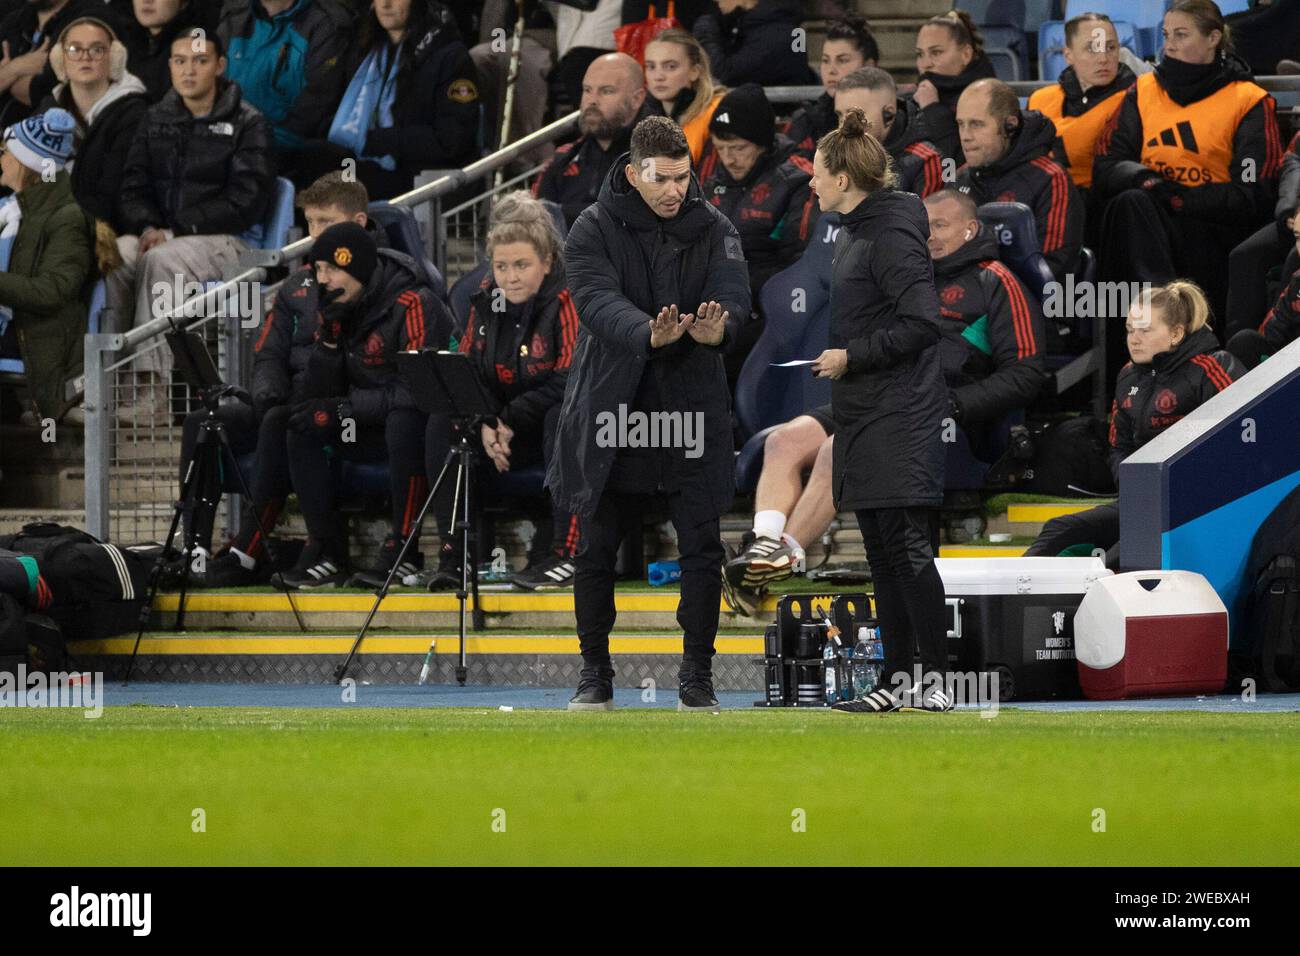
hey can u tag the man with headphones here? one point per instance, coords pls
(898, 126)
(1008, 159)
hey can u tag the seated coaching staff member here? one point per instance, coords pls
(659, 280)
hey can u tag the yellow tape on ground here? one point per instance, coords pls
(413, 644)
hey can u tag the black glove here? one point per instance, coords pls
(318, 417)
(1167, 193)
(332, 316)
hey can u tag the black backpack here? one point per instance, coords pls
(97, 590)
(1273, 603)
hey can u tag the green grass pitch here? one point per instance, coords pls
(646, 787)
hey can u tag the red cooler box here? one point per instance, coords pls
(1015, 617)
(1151, 633)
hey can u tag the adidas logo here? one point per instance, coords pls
(722, 118)
(1167, 137)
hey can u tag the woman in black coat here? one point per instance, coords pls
(411, 102)
(889, 403)
(106, 101)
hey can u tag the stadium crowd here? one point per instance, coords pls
(143, 140)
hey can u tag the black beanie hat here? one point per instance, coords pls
(349, 247)
(745, 112)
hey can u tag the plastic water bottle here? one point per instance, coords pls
(864, 677)
(664, 572)
(830, 658)
(876, 657)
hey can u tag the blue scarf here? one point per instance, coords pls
(367, 103)
(10, 217)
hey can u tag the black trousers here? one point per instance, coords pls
(699, 545)
(316, 475)
(1143, 242)
(1248, 267)
(909, 592)
(269, 482)
(1095, 528)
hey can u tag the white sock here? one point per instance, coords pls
(248, 562)
(769, 524)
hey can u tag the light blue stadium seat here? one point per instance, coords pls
(274, 232)
(1147, 16)
(1051, 41)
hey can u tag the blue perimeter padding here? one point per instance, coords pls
(1193, 497)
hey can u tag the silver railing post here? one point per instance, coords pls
(99, 417)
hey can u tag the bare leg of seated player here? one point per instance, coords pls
(769, 552)
(815, 509)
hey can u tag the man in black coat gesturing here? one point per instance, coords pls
(660, 283)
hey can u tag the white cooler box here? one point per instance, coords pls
(1015, 616)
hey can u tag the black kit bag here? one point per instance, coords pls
(97, 589)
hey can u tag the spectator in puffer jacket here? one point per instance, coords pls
(108, 104)
(752, 41)
(26, 75)
(149, 34)
(411, 101)
(1176, 367)
(287, 55)
(198, 176)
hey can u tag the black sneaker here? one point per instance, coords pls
(879, 701)
(375, 577)
(315, 569)
(225, 571)
(447, 577)
(555, 572)
(595, 691)
(695, 690)
(764, 561)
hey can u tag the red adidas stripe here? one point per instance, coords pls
(568, 329)
(1022, 322)
(1213, 371)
